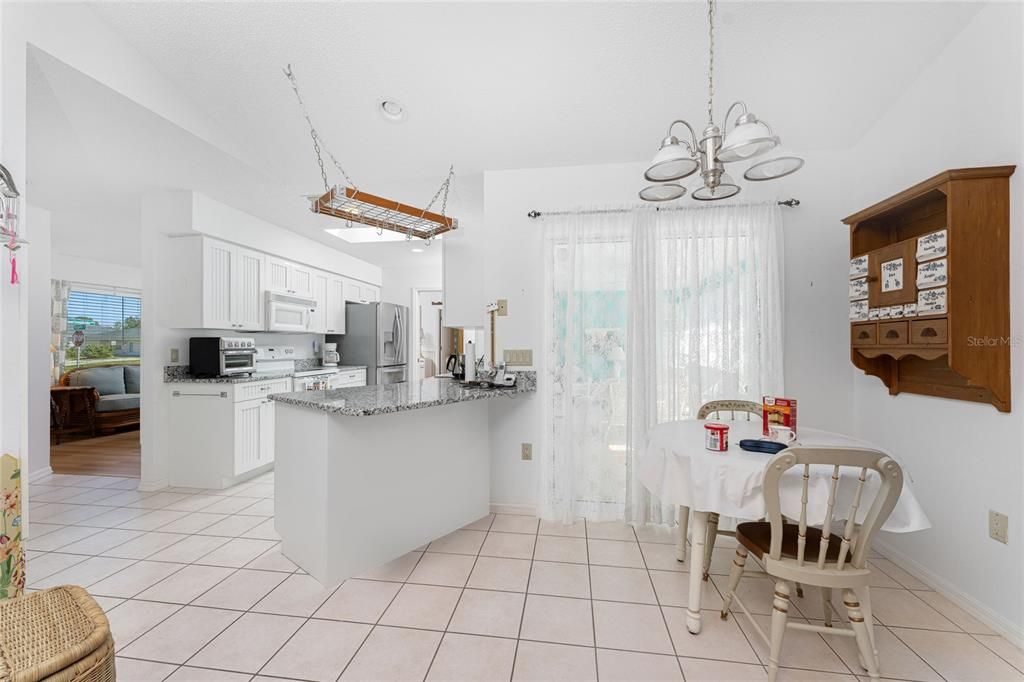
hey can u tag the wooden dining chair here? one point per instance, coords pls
(815, 556)
(723, 410)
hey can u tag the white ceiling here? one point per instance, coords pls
(519, 85)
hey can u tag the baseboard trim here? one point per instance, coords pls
(521, 509)
(40, 474)
(1008, 629)
(152, 486)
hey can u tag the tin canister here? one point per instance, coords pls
(716, 437)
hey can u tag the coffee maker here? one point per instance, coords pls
(330, 356)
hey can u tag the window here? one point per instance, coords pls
(108, 326)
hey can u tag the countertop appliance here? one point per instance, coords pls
(330, 357)
(376, 336)
(456, 366)
(288, 312)
(211, 356)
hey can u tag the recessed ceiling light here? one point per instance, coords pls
(392, 110)
(417, 250)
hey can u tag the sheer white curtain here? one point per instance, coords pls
(650, 314)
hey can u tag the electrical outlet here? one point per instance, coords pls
(998, 526)
(521, 358)
(502, 307)
(174, 355)
(527, 452)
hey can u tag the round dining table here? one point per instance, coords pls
(676, 468)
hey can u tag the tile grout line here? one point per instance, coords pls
(526, 597)
(590, 588)
(661, 611)
(461, 593)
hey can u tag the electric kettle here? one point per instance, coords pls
(456, 366)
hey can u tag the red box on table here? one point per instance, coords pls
(778, 411)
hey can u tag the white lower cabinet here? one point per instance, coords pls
(221, 434)
(254, 435)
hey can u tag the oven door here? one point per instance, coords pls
(237, 361)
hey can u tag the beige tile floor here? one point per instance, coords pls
(196, 589)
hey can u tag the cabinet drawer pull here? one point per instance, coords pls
(863, 335)
(929, 332)
(892, 334)
(179, 394)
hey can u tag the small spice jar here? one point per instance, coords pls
(716, 437)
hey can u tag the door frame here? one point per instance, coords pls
(414, 325)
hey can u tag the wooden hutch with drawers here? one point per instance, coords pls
(930, 287)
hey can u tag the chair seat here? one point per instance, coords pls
(756, 536)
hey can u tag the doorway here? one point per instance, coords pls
(428, 340)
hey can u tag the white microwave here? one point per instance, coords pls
(288, 312)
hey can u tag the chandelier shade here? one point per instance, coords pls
(723, 190)
(746, 141)
(771, 169)
(664, 192)
(673, 161)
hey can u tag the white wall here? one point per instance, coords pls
(36, 275)
(965, 458)
(399, 281)
(89, 271)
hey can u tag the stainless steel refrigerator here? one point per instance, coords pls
(376, 335)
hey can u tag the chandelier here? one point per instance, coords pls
(747, 138)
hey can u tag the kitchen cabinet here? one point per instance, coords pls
(319, 319)
(293, 278)
(220, 286)
(221, 433)
(254, 435)
(360, 292)
(334, 312)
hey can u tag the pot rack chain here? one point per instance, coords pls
(444, 201)
(318, 140)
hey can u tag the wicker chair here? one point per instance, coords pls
(57, 635)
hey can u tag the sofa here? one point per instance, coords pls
(114, 400)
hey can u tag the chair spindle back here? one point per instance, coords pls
(856, 537)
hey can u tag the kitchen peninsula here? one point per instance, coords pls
(364, 475)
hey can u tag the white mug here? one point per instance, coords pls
(781, 434)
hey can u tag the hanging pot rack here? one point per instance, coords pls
(352, 205)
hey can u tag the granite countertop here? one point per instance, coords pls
(364, 401)
(178, 374)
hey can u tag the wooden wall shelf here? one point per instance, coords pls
(930, 308)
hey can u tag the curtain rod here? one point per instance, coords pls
(791, 203)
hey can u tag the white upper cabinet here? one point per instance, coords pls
(290, 277)
(247, 287)
(232, 287)
(335, 307)
(360, 292)
(318, 320)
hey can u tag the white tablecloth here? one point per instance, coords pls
(678, 470)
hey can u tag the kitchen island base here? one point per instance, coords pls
(353, 493)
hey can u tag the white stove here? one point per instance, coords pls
(317, 379)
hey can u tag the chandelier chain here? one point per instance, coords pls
(711, 61)
(318, 140)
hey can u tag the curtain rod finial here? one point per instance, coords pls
(533, 214)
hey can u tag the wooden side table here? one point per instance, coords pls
(67, 402)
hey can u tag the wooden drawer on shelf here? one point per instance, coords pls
(934, 331)
(864, 334)
(893, 333)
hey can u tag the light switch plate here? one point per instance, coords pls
(518, 357)
(998, 527)
(174, 355)
(502, 307)
(527, 452)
